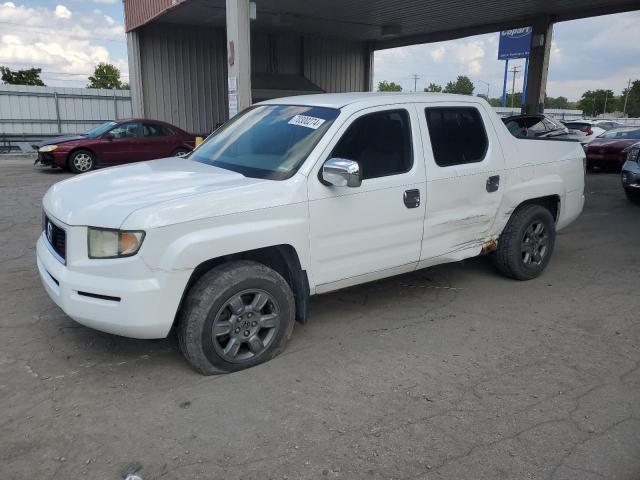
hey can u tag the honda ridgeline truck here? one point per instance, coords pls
(295, 197)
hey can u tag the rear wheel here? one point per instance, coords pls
(181, 152)
(236, 316)
(526, 244)
(81, 161)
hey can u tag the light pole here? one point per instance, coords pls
(488, 85)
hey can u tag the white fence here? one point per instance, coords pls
(42, 111)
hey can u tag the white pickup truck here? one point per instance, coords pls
(295, 197)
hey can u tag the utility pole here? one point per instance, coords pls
(514, 70)
(593, 112)
(626, 97)
(415, 77)
(488, 85)
(606, 95)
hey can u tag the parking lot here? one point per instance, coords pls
(453, 372)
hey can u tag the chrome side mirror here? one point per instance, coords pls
(341, 173)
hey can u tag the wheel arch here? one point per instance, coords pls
(76, 149)
(550, 202)
(281, 258)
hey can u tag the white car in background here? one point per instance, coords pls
(590, 129)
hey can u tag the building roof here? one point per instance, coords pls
(383, 23)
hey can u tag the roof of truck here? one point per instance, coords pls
(339, 100)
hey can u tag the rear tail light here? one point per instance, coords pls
(587, 131)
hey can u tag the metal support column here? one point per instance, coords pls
(538, 65)
(504, 83)
(238, 55)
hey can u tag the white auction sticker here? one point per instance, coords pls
(305, 121)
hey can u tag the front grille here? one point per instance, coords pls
(56, 237)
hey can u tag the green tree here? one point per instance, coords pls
(385, 86)
(463, 85)
(433, 88)
(30, 76)
(633, 100)
(106, 76)
(558, 102)
(593, 102)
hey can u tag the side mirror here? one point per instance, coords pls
(109, 136)
(341, 173)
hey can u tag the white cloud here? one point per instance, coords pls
(599, 52)
(62, 12)
(109, 2)
(67, 52)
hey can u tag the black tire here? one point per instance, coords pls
(81, 161)
(632, 195)
(511, 258)
(181, 152)
(208, 304)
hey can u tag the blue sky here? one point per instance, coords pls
(67, 38)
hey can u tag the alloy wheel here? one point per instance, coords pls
(245, 326)
(82, 162)
(535, 244)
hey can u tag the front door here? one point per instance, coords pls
(373, 230)
(121, 144)
(465, 179)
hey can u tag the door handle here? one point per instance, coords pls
(412, 198)
(493, 183)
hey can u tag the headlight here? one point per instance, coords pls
(47, 148)
(633, 153)
(105, 243)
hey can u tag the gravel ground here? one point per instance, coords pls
(448, 373)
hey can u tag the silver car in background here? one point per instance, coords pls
(631, 173)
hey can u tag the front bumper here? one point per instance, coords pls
(631, 175)
(140, 307)
(54, 158)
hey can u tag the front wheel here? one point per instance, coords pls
(237, 315)
(526, 244)
(81, 161)
(632, 195)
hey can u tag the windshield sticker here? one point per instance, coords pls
(305, 121)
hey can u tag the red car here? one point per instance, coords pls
(608, 150)
(115, 143)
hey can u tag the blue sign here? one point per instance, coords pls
(514, 43)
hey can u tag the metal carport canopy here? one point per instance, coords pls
(383, 23)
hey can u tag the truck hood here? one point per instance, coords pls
(107, 197)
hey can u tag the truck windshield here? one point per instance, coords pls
(266, 141)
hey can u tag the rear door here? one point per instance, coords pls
(157, 141)
(465, 178)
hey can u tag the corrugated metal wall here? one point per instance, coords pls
(184, 76)
(336, 65)
(183, 71)
(26, 110)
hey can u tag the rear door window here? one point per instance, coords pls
(457, 135)
(153, 130)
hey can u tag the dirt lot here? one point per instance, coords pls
(452, 372)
